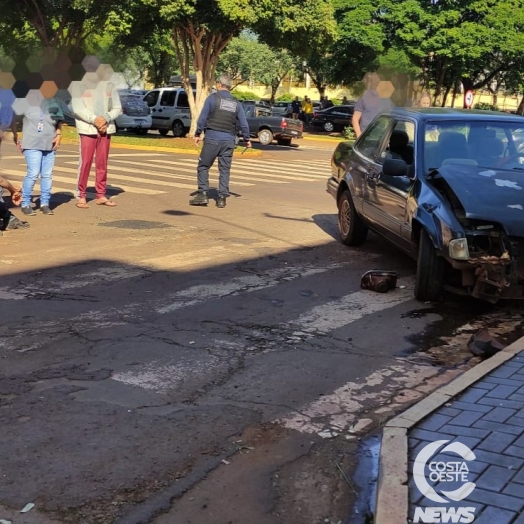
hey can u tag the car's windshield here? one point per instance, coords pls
(493, 145)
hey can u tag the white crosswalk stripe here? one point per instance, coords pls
(156, 173)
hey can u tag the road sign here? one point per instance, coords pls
(468, 99)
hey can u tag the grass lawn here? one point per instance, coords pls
(151, 140)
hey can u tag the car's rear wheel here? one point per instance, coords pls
(265, 137)
(429, 280)
(351, 228)
(329, 127)
(163, 132)
(179, 129)
(284, 142)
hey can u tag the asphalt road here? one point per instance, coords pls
(163, 363)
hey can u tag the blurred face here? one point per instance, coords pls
(425, 102)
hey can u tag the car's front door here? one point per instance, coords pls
(365, 167)
(390, 194)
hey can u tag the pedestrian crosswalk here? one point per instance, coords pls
(156, 173)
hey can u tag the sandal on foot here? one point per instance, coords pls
(105, 202)
(82, 204)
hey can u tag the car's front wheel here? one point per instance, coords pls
(351, 228)
(429, 280)
(329, 127)
(265, 137)
(179, 130)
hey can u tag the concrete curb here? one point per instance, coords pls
(392, 501)
(114, 145)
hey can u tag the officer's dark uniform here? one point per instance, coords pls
(221, 117)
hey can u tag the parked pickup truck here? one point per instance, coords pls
(268, 128)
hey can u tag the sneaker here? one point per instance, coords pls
(200, 199)
(28, 211)
(14, 223)
(46, 210)
(221, 201)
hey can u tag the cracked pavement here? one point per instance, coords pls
(142, 384)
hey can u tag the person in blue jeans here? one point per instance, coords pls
(220, 118)
(41, 135)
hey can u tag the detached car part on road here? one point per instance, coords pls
(268, 128)
(447, 187)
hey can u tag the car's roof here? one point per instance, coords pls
(449, 113)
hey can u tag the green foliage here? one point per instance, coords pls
(244, 59)
(348, 133)
(245, 95)
(486, 107)
(286, 97)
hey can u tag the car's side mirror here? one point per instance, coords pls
(395, 167)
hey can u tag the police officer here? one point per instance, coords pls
(218, 118)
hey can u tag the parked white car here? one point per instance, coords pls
(136, 116)
(170, 110)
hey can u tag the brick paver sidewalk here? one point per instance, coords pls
(488, 418)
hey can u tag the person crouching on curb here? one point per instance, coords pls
(41, 136)
(221, 116)
(9, 221)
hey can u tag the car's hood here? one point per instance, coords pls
(488, 194)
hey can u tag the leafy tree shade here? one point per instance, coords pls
(244, 58)
(58, 24)
(468, 40)
(202, 29)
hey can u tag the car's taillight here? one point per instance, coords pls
(284, 123)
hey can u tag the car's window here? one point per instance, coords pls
(182, 99)
(488, 144)
(168, 98)
(345, 110)
(370, 141)
(400, 144)
(151, 98)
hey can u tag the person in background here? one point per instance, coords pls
(7, 116)
(307, 109)
(345, 101)
(369, 105)
(424, 100)
(41, 136)
(96, 105)
(220, 119)
(295, 108)
(9, 221)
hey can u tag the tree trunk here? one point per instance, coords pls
(195, 46)
(445, 97)
(520, 109)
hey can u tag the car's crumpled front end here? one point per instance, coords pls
(489, 249)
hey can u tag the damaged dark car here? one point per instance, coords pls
(447, 187)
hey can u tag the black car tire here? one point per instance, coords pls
(329, 127)
(351, 228)
(179, 130)
(265, 137)
(163, 132)
(284, 141)
(429, 280)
